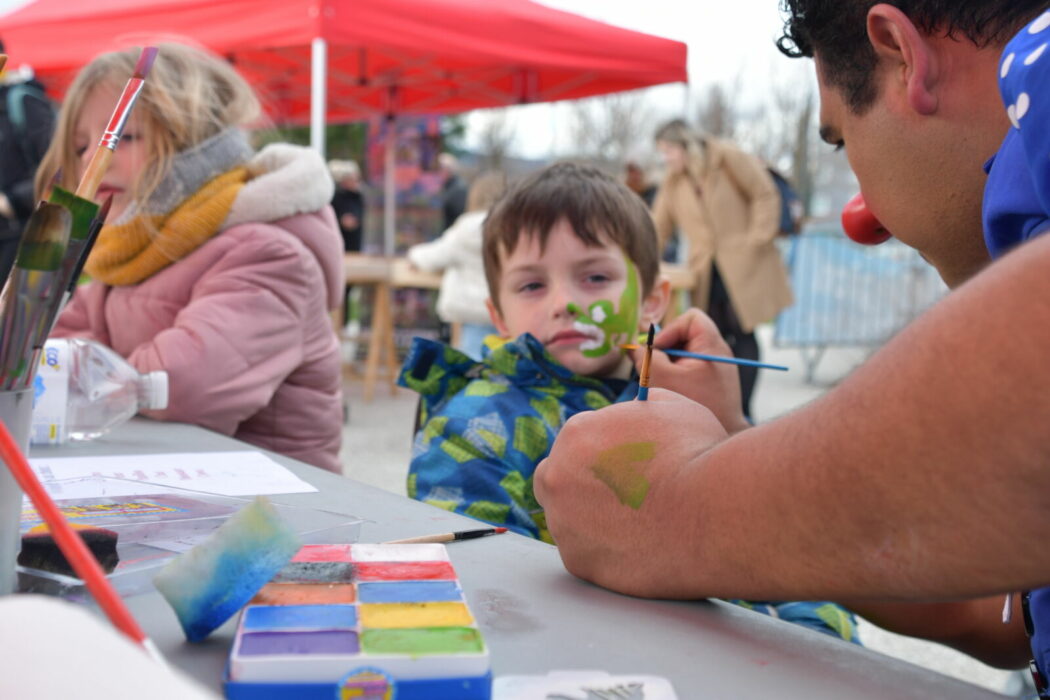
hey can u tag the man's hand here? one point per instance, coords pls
(716, 385)
(611, 489)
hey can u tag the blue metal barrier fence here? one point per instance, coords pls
(849, 295)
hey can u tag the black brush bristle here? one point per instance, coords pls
(41, 551)
(103, 211)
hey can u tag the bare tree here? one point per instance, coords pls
(833, 182)
(717, 115)
(801, 154)
(496, 138)
(608, 129)
(780, 132)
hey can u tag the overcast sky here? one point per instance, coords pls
(726, 38)
(730, 42)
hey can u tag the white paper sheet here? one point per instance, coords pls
(244, 473)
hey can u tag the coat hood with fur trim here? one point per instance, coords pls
(288, 181)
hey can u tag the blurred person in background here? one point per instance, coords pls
(457, 251)
(724, 203)
(453, 190)
(635, 177)
(27, 121)
(348, 202)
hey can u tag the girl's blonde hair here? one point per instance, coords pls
(679, 133)
(189, 96)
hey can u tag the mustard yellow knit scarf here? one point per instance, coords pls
(129, 253)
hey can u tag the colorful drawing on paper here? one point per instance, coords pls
(101, 511)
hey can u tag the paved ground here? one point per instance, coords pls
(377, 444)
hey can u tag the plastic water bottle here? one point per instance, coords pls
(83, 389)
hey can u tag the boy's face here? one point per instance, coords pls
(581, 302)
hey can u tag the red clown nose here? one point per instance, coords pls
(860, 224)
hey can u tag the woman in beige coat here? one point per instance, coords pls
(727, 210)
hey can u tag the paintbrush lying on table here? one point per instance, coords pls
(451, 536)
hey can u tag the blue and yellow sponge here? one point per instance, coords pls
(209, 583)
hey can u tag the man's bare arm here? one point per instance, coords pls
(974, 627)
(924, 476)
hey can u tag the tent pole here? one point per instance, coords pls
(318, 85)
(389, 189)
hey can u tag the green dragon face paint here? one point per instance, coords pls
(617, 326)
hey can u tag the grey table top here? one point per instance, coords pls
(536, 617)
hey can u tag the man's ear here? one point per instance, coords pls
(654, 306)
(497, 318)
(901, 45)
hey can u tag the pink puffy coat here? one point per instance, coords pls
(242, 324)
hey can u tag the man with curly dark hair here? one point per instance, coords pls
(924, 476)
(908, 87)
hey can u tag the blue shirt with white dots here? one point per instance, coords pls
(1017, 194)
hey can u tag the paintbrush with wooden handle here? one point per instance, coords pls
(100, 159)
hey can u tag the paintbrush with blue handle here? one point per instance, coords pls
(674, 352)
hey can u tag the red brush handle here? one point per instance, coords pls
(78, 554)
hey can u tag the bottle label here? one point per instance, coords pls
(51, 394)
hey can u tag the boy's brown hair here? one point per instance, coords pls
(590, 200)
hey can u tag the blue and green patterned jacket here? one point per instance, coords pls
(485, 426)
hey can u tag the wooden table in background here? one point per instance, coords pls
(383, 275)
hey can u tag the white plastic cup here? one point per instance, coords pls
(16, 411)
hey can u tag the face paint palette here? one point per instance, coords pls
(360, 621)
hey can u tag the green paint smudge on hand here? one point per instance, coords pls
(620, 468)
(617, 326)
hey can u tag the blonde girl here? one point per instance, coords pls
(217, 264)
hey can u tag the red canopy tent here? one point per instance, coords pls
(374, 57)
(418, 56)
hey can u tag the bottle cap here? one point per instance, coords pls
(158, 390)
